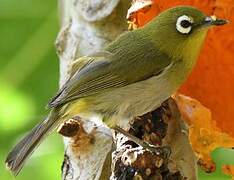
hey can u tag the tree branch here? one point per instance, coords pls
(87, 26)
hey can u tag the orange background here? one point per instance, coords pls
(212, 80)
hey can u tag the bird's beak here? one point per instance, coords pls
(214, 21)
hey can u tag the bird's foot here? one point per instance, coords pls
(163, 151)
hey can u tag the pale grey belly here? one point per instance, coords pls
(136, 99)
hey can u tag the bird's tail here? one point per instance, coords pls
(22, 151)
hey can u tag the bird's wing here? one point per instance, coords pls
(84, 61)
(98, 73)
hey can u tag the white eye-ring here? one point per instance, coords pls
(184, 24)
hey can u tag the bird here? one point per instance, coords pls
(129, 77)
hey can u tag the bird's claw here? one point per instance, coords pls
(164, 152)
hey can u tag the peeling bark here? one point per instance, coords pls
(86, 27)
(173, 157)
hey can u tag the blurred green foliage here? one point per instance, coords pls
(29, 77)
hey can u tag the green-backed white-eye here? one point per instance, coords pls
(130, 77)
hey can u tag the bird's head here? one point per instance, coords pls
(180, 31)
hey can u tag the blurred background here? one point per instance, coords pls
(29, 75)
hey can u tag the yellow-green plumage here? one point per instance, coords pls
(130, 77)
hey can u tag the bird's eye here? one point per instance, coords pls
(184, 24)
